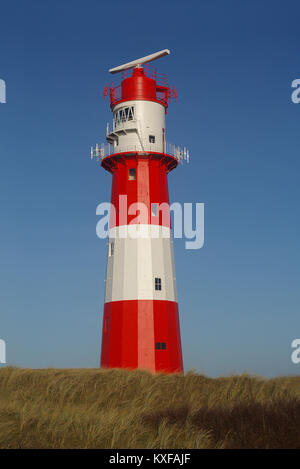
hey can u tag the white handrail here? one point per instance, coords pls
(107, 149)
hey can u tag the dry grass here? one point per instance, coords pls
(134, 409)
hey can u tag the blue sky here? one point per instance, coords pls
(232, 64)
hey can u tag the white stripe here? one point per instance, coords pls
(137, 260)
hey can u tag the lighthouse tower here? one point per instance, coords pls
(140, 321)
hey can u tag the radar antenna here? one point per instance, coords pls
(139, 62)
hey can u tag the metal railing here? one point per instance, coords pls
(115, 95)
(106, 149)
(150, 72)
(160, 78)
(163, 92)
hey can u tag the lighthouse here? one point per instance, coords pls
(141, 327)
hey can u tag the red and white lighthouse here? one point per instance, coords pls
(141, 320)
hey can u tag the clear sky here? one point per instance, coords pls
(232, 63)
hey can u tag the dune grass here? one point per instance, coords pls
(88, 408)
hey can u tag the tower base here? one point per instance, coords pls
(142, 334)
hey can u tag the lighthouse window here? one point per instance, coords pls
(154, 210)
(123, 115)
(132, 174)
(131, 113)
(151, 138)
(161, 346)
(116, 118)
(106, 324)
(111, 248)
(157, 283)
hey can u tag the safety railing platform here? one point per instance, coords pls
(101, 151)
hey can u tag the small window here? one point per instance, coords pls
(117, 141)
(157, 283)
(154, 210)
(122, 115)
(132, 174)
(106, 325)
(117, 118)
(151, 138)
(131, 113)
(111, 248)
(160, 345)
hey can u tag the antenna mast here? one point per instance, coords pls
(141, 61)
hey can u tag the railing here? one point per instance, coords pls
(106, 149)
(115, 95)
(160, 78)
(150, 72)
(163, 92)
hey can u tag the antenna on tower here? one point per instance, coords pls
(142, 60)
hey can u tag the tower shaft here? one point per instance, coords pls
(141, 320)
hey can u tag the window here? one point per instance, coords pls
(161, 346)
(106, 324)
(151, 138)
(117, 118)
(123, 115)
(154, 210)
(131, 113)
(157, 283)
(111, 248)
(117, 141)
(132, 174)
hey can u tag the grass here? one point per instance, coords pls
(116, 408)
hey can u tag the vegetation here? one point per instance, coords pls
(116, 408)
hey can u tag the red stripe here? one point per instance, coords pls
(146, 353)
(150, 186)
(135, 327)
